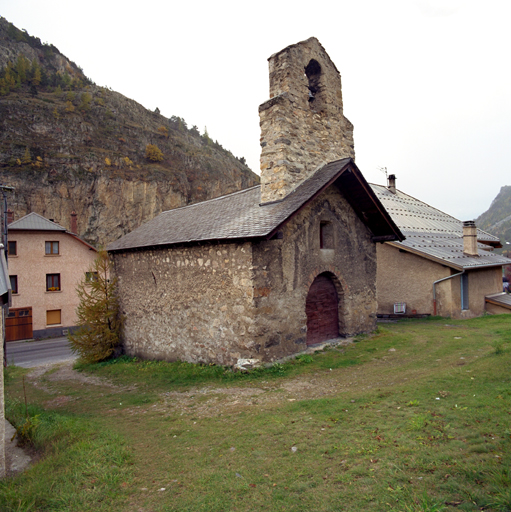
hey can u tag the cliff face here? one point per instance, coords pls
(67, 145)
(497, 219)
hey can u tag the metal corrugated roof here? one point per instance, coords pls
(240, 215)
(35, 222)
(413, 215)
(501, 299)
(435, 234)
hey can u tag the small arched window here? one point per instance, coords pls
(326, 235)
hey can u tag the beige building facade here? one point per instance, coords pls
(444, 266)
(46, 262)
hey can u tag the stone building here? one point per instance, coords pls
(444, 266)
(264, 272)
(46, 262)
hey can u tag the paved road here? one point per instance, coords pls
(35, 353)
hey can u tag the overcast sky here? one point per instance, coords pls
(426, 83)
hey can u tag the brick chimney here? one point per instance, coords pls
(391, 185)
(10, 216)
(74, 225)
(470, 238)
(302, 124)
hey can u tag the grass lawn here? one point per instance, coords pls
(416, 417)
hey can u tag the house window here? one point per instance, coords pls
(91, 277)
(52, 282)
(326, 235)
(14, 283)
(53, 317)
(52, 248)
(12, 249)
(464, 292)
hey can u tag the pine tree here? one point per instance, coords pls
(26, 157)
(36, 73)
(98, 333)
(85, 102)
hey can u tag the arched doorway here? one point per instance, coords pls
(322, 309)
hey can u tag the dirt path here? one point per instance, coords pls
(210, 400)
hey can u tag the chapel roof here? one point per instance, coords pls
(241, 215)
(434, 234)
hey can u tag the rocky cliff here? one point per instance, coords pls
(497, 219)
(68, 145)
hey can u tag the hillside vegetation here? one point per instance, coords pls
(67, 144)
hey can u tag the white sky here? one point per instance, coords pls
(426, 83)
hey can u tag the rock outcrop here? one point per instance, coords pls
(68, 145)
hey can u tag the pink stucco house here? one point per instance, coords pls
(46, 262)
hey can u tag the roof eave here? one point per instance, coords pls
(148, 247)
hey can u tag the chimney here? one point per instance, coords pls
(470, 238)
(10, 216)
(391, 185)
(74, 225)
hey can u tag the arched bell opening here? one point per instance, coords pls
(322, 309)
(313, 73)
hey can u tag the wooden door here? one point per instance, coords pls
(18, 324)
(322, 309)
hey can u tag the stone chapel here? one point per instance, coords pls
(264, 272)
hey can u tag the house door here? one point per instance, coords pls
(18, 324)
(322, 309)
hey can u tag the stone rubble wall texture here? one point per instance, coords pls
(284, 270)
(297, 135)
(223, 302)
(190, 303)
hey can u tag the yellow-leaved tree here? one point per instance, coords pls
(99, 325)
(153, 153)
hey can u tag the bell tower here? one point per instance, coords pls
(302, 124)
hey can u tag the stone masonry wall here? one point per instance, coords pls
(191, 303)
(302, 125)
(284, 270)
